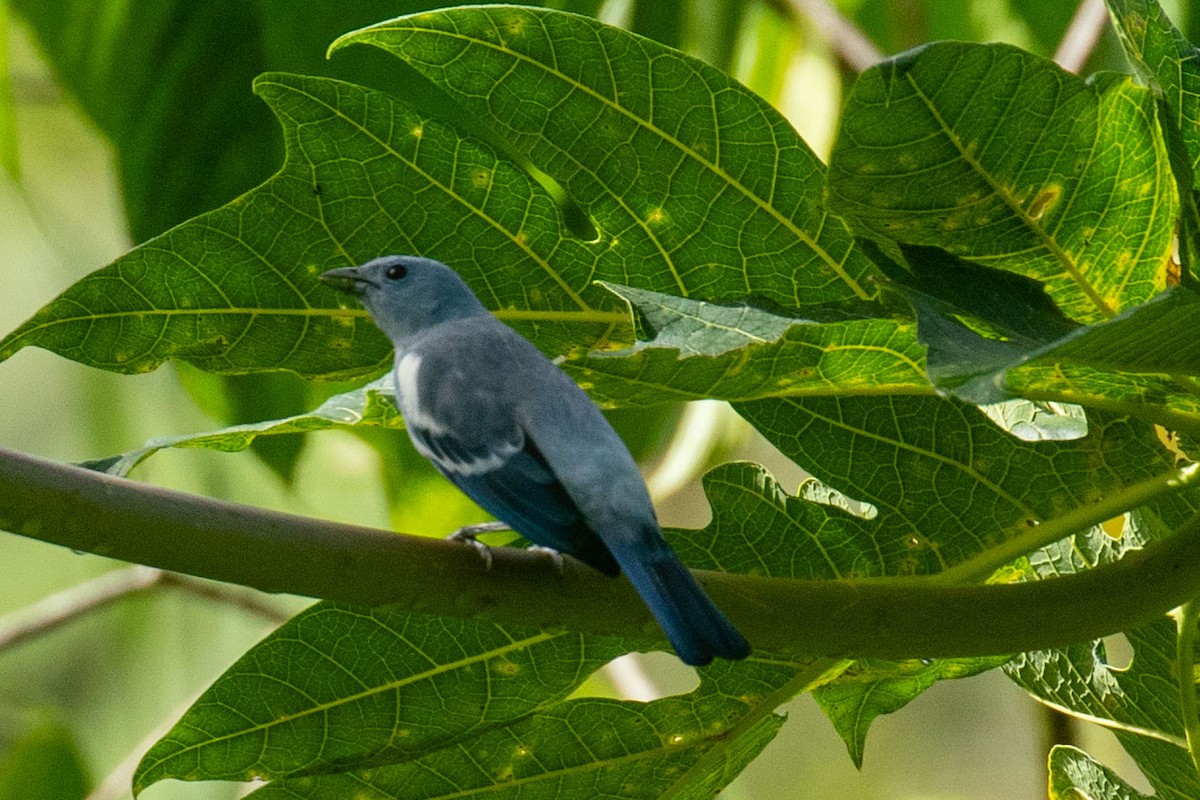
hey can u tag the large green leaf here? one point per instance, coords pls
(1168, 62)
(696, 186)
(1139, 701)
(339, 686)
(948, 484)
(236, 290)
(339, 690)
(999, 156)
(645, 750)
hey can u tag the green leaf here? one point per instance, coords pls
(697, 187)
(236, 290)
(1166, 60)
(1075, 774)
(338, 687)
(372, 404)
(581, 748)
(694, 349)
(871, 688)
(43, 763)
(948, 484)
(1137, 701)
(1001, 157)
(1155, 337)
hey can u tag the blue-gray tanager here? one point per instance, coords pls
(510, 429)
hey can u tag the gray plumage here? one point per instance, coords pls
(516, 434)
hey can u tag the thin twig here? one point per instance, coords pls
(62, 607)
(246, 600)
(850, 43)
(1082, 34)
(68, 605)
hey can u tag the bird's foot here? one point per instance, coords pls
(555, 556)
(467, 534)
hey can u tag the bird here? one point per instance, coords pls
(516, 434)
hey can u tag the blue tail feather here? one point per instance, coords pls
(697, 629)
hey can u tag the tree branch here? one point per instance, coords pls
(888, 617)
(1091, 17)
(849, 42)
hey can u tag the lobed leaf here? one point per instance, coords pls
(1138, 701)
(581, 748)
(338, 687)
(236, 290)
(696, 186)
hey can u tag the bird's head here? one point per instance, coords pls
(406, 294)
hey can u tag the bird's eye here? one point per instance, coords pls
(396, 271)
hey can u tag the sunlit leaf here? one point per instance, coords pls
(1000, 156)
(693, 349)
(697, 186)
(1075, 774)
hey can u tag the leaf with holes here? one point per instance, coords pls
(235, 290)
(697, 186)
(1137, 701)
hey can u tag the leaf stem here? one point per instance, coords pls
(1039, 534)
(1185, 673)
(908, 617)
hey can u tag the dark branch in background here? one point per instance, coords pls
(890, 617)
(1089, 22)
(852, 46)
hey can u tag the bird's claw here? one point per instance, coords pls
(555, 556)
(468, 533)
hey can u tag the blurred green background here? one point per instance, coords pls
(120, 119)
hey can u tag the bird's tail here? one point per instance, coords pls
(697, 629)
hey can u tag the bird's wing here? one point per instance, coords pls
(474, 439)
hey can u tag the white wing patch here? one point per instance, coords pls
(430, 437)
(409, 399)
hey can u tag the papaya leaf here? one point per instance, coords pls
(372, 404)
(1128, 698)
(696, 186)
(999, 156)
(694, 349)
(645, 750)
(418, 692)
(1167, 61)
(339, 686)
(1075, 774)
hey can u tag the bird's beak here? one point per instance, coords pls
(346, 279)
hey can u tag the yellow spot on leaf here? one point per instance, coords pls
(1044, 201)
